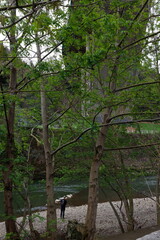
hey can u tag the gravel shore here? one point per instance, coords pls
(106, 222)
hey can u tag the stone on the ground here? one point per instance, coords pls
(151, 236)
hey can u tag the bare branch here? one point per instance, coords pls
(131, 114)
(58, 44)
(32, 79)
(141, 39)
(9, 8)
(99, 126)
(31, 91)
(151, 16)
(132, 147)
(37, 140)
(81, 5)
(71, 142)
(10, 61)
(135, 18)
(59, 116)
(135, 85)
(25, 16)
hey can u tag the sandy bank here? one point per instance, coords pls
(106, 222)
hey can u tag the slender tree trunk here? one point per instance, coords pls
(158, 149)
(157, 194)
(49, 159)
(128, 204)
(118, 217)
(127, 197)
(51, 211)
(10, 151)
(93, 181)
(8, 189)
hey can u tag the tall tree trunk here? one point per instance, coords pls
(49, 159)
(158, 190)
(10, 151)
(157, 198)
(51, 211)
(8, 189)
(93, 181)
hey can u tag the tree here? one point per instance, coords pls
(119, 49)
(51, 211)
(14, 85)
(10, 149)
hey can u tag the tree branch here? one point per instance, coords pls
(5, 108)
(135, 18)
(71, 142)
(12, 24)
(54, 120)
(132, 147)
(37, 140)
(28, 5)
(131, 114)
(135, 85)
(99, 126)
(37, 65)
(151, 16)
(32, 79)
(141, 39)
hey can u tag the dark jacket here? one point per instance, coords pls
(63, 203)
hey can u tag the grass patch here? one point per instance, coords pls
(149, 127)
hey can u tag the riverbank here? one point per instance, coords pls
(106, 223)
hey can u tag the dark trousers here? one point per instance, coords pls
(62, 212)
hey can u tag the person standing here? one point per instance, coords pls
(63, 203)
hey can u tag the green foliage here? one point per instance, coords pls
(96, 62)
(37, 215)
(10, 236)
(2, 137)
(151, 128)
(66, 174)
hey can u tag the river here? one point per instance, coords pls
(142, 186)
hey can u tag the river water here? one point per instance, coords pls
(142, 187)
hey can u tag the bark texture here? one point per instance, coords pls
(51, 211)
(93, 180)
(49, 160)
(10, 151)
